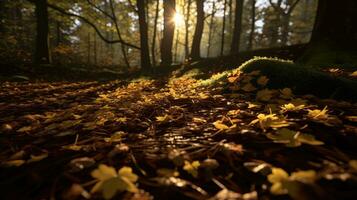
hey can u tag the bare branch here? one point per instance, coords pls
(61, 10)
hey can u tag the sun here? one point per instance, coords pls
(179, 20)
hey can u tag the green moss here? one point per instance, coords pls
(302, 79)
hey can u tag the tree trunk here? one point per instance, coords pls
(211, 26)
(334, 37)
(89, 49)
(169, 31)
(252, 26)
(196, 43)
(95, 48)
(153, 46)
(42, 53)
(223, 27)
(187, 27)
(144, 38)
(285, 28)
(237, 26)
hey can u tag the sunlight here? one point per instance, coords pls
(179, 19)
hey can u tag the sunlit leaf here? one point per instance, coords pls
(220, 126)
(292, 138)
(110, 182)
(277, 177)
(192, 168)
(318, 114)
(270, 121)
(354, 74)
(164, 118)
(291, 107)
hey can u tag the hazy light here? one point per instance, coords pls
(179, 19)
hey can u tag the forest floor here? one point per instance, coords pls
(173, 139)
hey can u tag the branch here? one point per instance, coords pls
(61, 10)
(99, 9)
(293, 6)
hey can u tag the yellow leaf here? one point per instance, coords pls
(220, 126)
(232, 79)
(263, 81)
(248, 88)
(164, 118)
(354, 74)
(192, 168)
(13, 163)
(110, 181)
(291, 107)
(269, 121)
(277, 177)
(318, 114)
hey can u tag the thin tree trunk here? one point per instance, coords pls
(89, 49)
(237, 26)
(196, 43)
(187, 27)
(95, 48)
(223, 27)
(58, 33)
(252, 26)
(211, 25)
(176, 44)
(153, 46)
(42, 54)
(169, 31)
(144, 38)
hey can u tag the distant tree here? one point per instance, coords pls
(144, 38)
(252, 25)
(187, 27)
(238, 13)
(169, 31)
(42, 53)
(223, 35)
(196, 43)
(211, 28)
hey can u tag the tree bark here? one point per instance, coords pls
(169, 31)
(334, 37)
(211, 26)
(223, 27)
(187, 27)
(42, 53)
(196, 43)
(237, 26)
(252, 26)
(153, 46)
(144, 38)
(338, 29)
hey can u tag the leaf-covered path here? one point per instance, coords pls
(180, 140)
